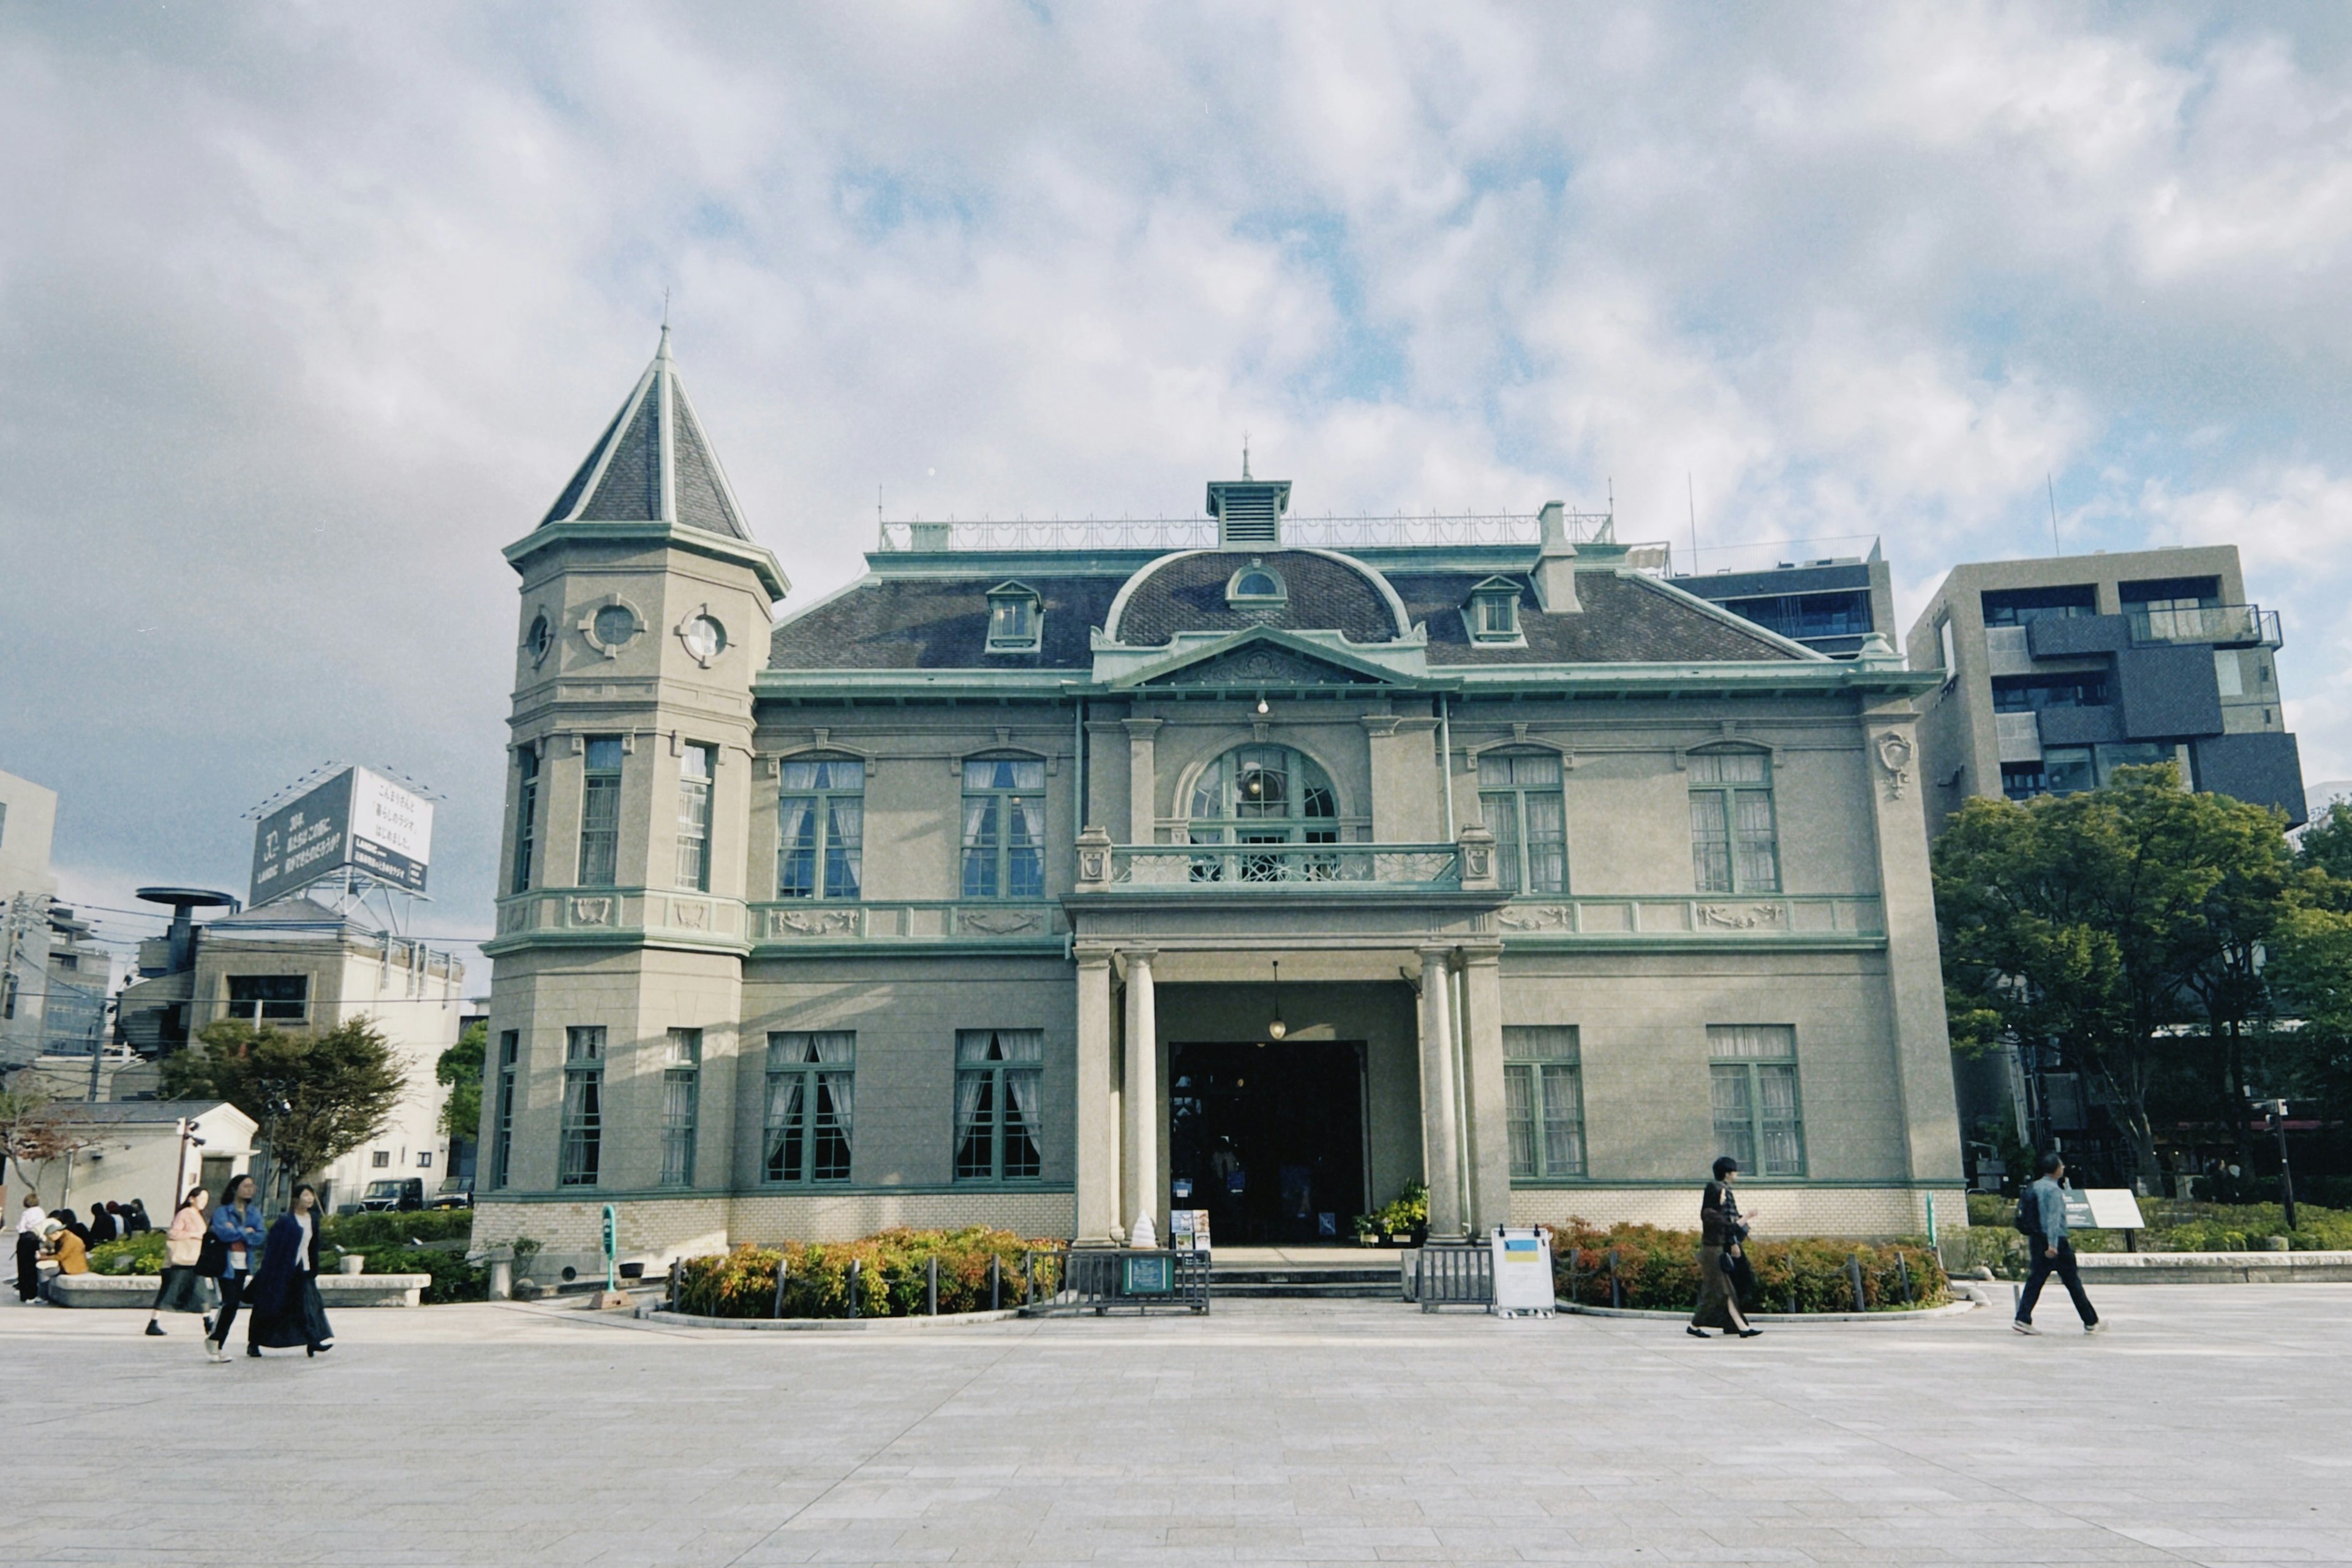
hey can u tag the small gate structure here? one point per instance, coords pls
(1452, 1274)
(1065, 1281)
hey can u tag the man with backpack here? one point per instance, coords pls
(2041, 1215)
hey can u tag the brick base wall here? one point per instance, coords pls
(1855, 1211)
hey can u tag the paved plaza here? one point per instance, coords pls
(2210, 1427)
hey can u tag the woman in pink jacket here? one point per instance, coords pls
(182, 1287)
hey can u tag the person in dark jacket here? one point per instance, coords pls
(102, 1229)
(286, 1307)
(237, 1226)
(1722, 1236)
(134, 1219)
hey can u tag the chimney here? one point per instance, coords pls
(1554, 573)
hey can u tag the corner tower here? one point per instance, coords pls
(616, 976)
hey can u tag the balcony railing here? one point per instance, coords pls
(2226, 626)
(1201, 532)
(1246, 868)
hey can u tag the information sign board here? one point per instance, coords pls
(1188, 1230)
(1523, 1281)
(2102, 1208)
(1152, 1274)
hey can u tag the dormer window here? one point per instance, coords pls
(1016, 618)
(1493, 614)
(1255, 585)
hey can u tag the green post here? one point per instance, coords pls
(1935, 1237)
(612, 1249)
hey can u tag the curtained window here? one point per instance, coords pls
(1005, 827)
(599, 813)
(503, 1107)
(811, 1087)
(583, 1107)
(1734, 847)
(694, 767)
(1544, 1099)
(1753, 1082)
(681, 1095)
(998, 1073)
(1520, 796)
(821, 828)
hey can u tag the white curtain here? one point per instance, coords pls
(844, 838)
(796, 860)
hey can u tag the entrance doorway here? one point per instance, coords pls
(1270, 1139)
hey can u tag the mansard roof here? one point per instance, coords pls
(1626, 618)
(653, 464)
(931, 623)
(1186, 593)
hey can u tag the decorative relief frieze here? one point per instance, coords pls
(591, 911)
(1000, 923)
(1538, 917)
(1738, 918)
(812, 922)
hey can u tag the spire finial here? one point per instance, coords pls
(663, 352)
(1245, 473)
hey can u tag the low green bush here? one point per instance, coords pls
(1658, 1269)
(140, 1254)
(365, 1232)
(453, 1278)
(894, 1267)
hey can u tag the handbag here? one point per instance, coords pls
(212, 1257)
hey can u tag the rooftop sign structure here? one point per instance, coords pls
(355, 821)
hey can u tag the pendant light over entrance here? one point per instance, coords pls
(1277, 1029)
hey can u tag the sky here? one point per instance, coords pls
(307, 311)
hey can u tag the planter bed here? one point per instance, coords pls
(944, 1321)
(2214, 1267)
(138, 1290)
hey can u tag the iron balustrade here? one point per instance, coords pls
(1246, 865)
(1069, 1280)
(1397, 532)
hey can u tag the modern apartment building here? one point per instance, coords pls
(1059, 876)
(29, 815)
(2057, 671)
(1831, 605)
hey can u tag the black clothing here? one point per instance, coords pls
(101, 1228)
(28, 1266)
(287, 1310)
(2064, 1267)
(134, 1219)
(232, 1289)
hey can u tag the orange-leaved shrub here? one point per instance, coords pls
(892, 1275)
(1658, 1269)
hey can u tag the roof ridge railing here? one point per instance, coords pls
(1401, 529)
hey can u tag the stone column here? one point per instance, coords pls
(1488, 1110)
(1142, 780)
(1439, 1154)
(1098, 1151)
(1142, 1098)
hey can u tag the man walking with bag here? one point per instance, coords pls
(2041, 1215)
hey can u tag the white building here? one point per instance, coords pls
(29, 816)
(150, 1149)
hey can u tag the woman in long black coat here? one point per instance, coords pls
(286, 1307)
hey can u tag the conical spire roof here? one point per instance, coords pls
(652, 464)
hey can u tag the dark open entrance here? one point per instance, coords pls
(1270, 1137)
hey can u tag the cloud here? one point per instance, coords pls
(304, 313)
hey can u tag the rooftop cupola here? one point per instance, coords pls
(652, 464)
(1248, 511)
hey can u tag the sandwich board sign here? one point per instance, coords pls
(1523, 1273)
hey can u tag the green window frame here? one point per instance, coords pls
(1519, 797)
(999, 1082)
(681, 1103)
(697, 768)
(1752, 1083)
(580, 1153)
(1005, 827)
(1543, 1091)
(820, 828)
(599, 812)
(526, 816)
(809, 1125)
(503, 1107)
(1735, 841)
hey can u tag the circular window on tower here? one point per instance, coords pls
(540, 639)
(704, 638)
(609, 627)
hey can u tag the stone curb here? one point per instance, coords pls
(2215, 1268)
(126, 1291)
(1948, 1309)
(944, 1321)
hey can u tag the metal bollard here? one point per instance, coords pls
(995, 1282)
(1616, 1287)
(1853, 1273)
(931, 1283)
(856, 1272)
(1028, 1278)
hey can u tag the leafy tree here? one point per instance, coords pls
(2326, 845)
(460, 1068)
(2105, 920)
(317, 1097)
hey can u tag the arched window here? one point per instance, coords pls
(1265, 794)
(1256, 585)
(820, 828)
(1734, 847)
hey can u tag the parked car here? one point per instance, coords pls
(394, 1194)
(455, 1192)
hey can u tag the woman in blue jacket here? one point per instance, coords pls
(236, 1228)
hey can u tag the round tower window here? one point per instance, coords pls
(541, 637)
(616, 625)
(706, 639)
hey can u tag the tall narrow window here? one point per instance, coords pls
(1005, 827)
(681, 1093)
(1734, 847)
(599, 813)
(821, 828)
(997, 1074)
(583, 1107)
(1519, 793)
(526, 838)
(503, 1107)
(1753, 1076)
(1544, 1096)
(810, 1095)
(694, 767)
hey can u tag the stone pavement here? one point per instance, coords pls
(2210, 1427)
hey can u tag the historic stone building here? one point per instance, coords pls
(960, 895)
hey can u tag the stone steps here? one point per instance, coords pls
(1303, 1282)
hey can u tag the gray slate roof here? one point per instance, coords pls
(1188, 594)
(624, 479)
(920, 622)
(1625, 620)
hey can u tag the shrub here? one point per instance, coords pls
(1658, 1269)
(891, 1278)
(453, 1278)
(1407, 1213)
(366, 1232)
(141, 1254)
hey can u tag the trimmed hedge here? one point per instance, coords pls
(891, 1282)
(1658, 1269)
(367, 1232)
(454, 1279)
(143, 1251)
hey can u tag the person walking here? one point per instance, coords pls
(1722, 1237)
(234, 1237)
(2041, 1215)
(181, 1287)
(287, 1310)
(29, 1227)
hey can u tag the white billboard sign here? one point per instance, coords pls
(358, 820)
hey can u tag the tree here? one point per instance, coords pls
(316, 1097)
(460, 1068)
(34, 1128)
(2105, 920)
